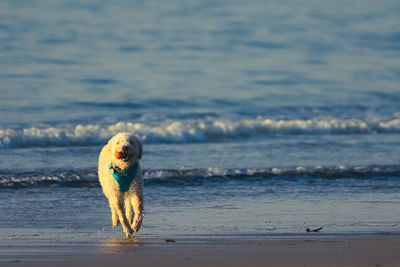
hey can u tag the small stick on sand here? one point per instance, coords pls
(315, 230)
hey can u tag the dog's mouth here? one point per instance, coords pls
(124, 156)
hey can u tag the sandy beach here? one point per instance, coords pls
(307, 250)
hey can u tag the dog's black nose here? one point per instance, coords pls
(124, 148)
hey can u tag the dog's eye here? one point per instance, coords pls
(131, 142)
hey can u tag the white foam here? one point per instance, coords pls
(191, 131)
(88, 178)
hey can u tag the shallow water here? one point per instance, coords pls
(254, 206)
(257, 119)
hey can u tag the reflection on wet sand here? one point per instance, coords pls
(120, 244)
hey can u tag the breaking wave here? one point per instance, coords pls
(88, 178)
(191, 131)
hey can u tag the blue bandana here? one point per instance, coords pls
(125, 178)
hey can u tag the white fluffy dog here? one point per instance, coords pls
(121, 179)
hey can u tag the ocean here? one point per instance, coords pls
(258, 118)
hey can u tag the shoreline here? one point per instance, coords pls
(305, 250)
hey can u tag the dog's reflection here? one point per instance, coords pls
(120, 244)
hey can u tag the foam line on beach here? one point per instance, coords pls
(191, 131)
(88, 178)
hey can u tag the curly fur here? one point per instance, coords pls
(121, 204)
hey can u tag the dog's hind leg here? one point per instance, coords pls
(137, 203)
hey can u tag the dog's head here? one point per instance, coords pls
(125, 149)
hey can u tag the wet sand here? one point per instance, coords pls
(307, 250)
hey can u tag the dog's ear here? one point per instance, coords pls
(139, 156)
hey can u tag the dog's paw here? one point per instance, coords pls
(128, 235)
(115, 222)
(137, 222)
(136, 226)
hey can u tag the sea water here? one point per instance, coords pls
(257, 117)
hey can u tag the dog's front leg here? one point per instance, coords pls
(114, 215)
(118, 206)
(128, 209)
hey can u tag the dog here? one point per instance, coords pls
(121, 180)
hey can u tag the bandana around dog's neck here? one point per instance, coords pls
(125, 178)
